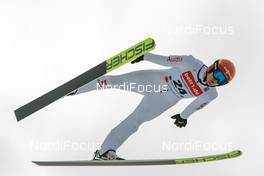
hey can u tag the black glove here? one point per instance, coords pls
(141, 58)
(179, 122)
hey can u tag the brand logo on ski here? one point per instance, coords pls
(130, 54)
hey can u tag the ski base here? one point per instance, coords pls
(190, 160)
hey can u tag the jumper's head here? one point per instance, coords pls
(221, 72)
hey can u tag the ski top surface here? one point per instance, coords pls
(110, 64)
(200, 159)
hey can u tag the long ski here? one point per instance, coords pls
(200, 159)
(110, 64)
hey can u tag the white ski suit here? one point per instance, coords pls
(161, 89)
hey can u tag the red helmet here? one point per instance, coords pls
(223, 71)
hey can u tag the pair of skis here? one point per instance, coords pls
(110, 64)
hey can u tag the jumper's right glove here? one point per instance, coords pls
(179, 122)
(141, 58)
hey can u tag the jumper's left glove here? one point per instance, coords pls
(179, 122)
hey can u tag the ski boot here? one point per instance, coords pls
(108, 155)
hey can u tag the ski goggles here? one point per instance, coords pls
(219, 77)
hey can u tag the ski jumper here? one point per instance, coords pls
(184, 79)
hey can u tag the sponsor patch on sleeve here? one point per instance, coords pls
(174, 59)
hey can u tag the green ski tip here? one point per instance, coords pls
(202, 159)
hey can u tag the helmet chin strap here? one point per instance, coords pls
(203, 82)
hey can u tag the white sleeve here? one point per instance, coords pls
(168, 61)
(199, 103)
